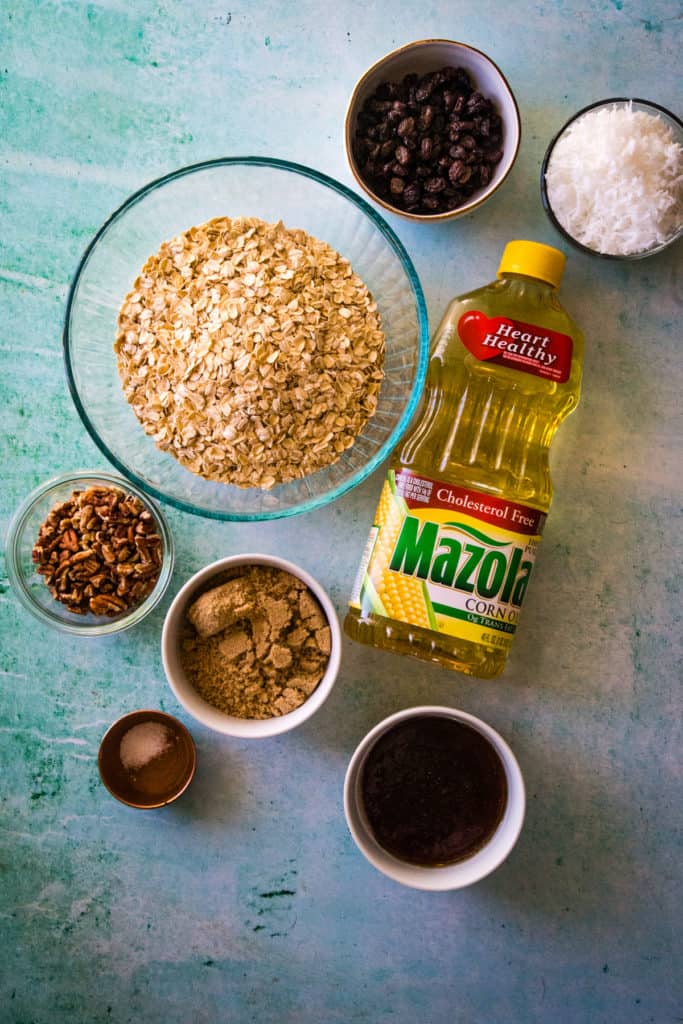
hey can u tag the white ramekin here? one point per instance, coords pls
(450, 876)
(246, 728)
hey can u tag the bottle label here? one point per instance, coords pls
(517, 345)
(448, 558)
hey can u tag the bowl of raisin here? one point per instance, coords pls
(432, 130)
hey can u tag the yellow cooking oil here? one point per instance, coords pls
(461, 513)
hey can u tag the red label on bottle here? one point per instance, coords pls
(418, 491)
(517, 345)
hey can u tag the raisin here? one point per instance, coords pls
(406, 127)
(428, 141)
(434, 185)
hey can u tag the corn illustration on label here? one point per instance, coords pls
(448, 558)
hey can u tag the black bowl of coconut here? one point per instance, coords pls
(612, 179)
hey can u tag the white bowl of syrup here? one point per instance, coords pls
(434, 798)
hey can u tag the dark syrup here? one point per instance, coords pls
(434, 790)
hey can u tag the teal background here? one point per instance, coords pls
(247, 900)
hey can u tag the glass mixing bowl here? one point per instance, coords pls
(271, 190)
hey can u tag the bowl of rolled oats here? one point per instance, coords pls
(246, 339)
(88, 553)
(251, 646)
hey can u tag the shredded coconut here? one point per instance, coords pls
(615, 180)
(142, 744)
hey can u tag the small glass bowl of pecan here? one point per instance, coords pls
(88, 553)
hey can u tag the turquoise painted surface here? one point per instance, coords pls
(247, 900)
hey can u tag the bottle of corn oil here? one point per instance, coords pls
(460, 517)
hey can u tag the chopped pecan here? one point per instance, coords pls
(80, 556)
(107, 604)
(69, 540)
(99, 552)
(108, 553)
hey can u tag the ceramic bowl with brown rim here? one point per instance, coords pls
(462, 185)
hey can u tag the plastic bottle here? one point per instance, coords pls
(462, 510)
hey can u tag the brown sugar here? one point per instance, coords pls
(221, 607)
(257, 644)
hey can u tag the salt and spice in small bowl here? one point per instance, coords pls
(147, 759)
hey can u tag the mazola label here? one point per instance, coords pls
(448, 558)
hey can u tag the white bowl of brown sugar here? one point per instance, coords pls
(251, 646)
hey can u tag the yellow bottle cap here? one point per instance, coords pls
(534, 260)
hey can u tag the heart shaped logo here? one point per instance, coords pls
(474, 327)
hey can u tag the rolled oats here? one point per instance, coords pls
(250, 352)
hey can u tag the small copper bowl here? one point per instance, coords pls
(161, 780)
